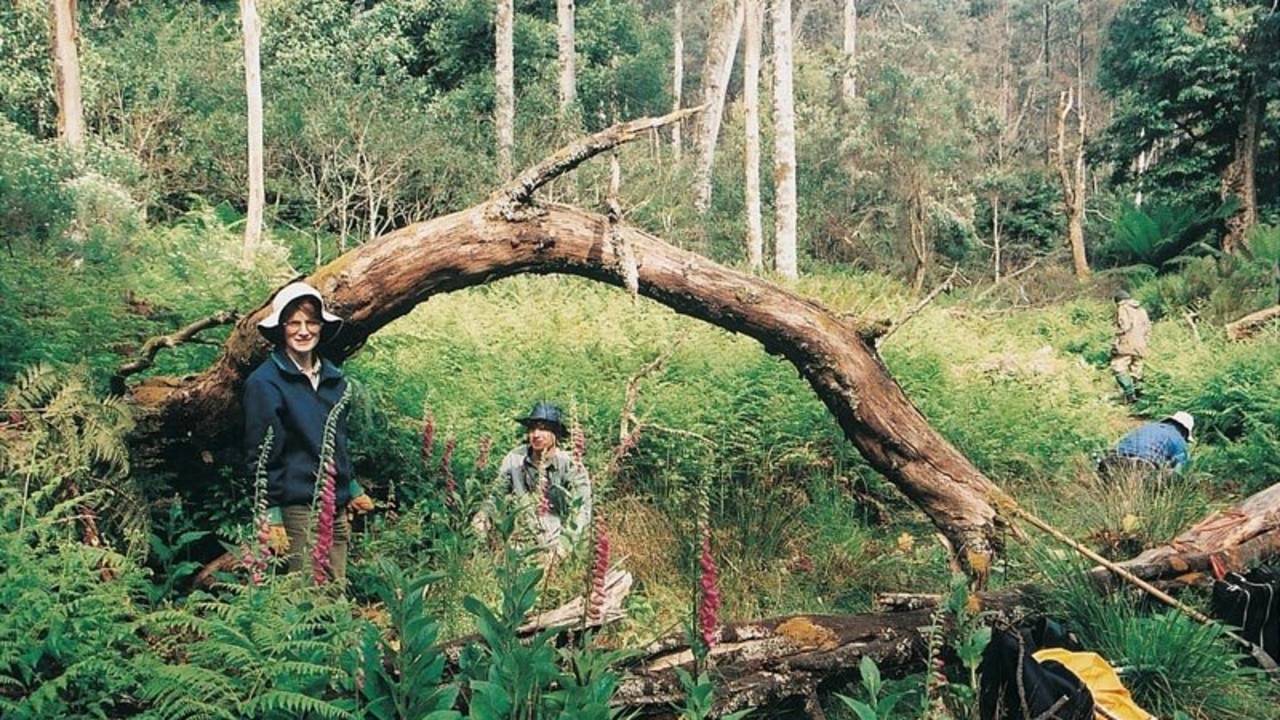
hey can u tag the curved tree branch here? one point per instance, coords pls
(383, 280)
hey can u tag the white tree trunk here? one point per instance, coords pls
(726, 31)
(252, 30)
(753, 19)
(504, 85)
(568, 64)
(66, 74)
(995, 238)
(784, 157)
(677, 71)
(850, 81)
(1072, 174)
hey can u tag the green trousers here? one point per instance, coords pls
(301, 527)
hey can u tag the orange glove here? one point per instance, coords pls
(360, 504)
(278, 539)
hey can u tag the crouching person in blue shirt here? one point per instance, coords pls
(1157, 448)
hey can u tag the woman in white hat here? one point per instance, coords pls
(292, 393)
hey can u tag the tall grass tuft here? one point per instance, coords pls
(1168, 661)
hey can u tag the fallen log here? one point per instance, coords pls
(1249, 325)
(510, 234)
(777, 662)
(1231, 540)
(781, 665)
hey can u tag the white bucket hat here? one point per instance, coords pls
(1184, 419)
(270, 325)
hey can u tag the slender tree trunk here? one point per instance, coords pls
(1045, 52)
(752, 22)
(1079, 252)
(784, 132)
(726, 30)
(677, 71)
(1073, 181)
(380, 281)
(1145, 159)
(505, 86)
(1239, 179)
(252, 30)
(919, 239)
(66, 74)
(849, 84)
(995, 238)
(565, 42)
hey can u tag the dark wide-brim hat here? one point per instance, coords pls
(545, 412)
(288, 295)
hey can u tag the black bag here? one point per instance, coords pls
(1251, 602)
(1013, 685)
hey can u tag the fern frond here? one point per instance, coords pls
(295, 704)
(179, 692)
(303, 669)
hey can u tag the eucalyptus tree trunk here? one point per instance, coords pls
(66, 74)
(1239, 179)
(849, 84)
(752, 21)
(568, 62)
(996, 248)
(511, 234)
(1072, 173)
(784, 154)
(252, 30)
(677, 71)
(504, 85)
(722, 46)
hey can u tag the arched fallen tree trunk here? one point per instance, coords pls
(508, 235)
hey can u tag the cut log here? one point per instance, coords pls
(384, 279)
(1233, 539)
(1249, 325)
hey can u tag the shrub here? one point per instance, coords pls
(36, 205)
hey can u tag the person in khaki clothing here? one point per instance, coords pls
(1133, 327)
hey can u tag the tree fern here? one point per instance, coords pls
(1264, 249)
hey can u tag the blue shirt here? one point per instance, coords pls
(1160, 443)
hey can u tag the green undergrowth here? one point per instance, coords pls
(799, 522)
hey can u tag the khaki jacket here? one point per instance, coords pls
(1132, 329)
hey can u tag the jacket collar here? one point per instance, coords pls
(327, 368)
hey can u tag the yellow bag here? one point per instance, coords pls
(1110, 697)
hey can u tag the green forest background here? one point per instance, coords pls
(379, 114)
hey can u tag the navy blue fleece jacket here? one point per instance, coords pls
(277, 395)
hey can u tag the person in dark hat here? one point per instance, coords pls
(1129, 348)
(290, 396)
(552, 487)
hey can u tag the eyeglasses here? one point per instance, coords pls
(294, 326)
